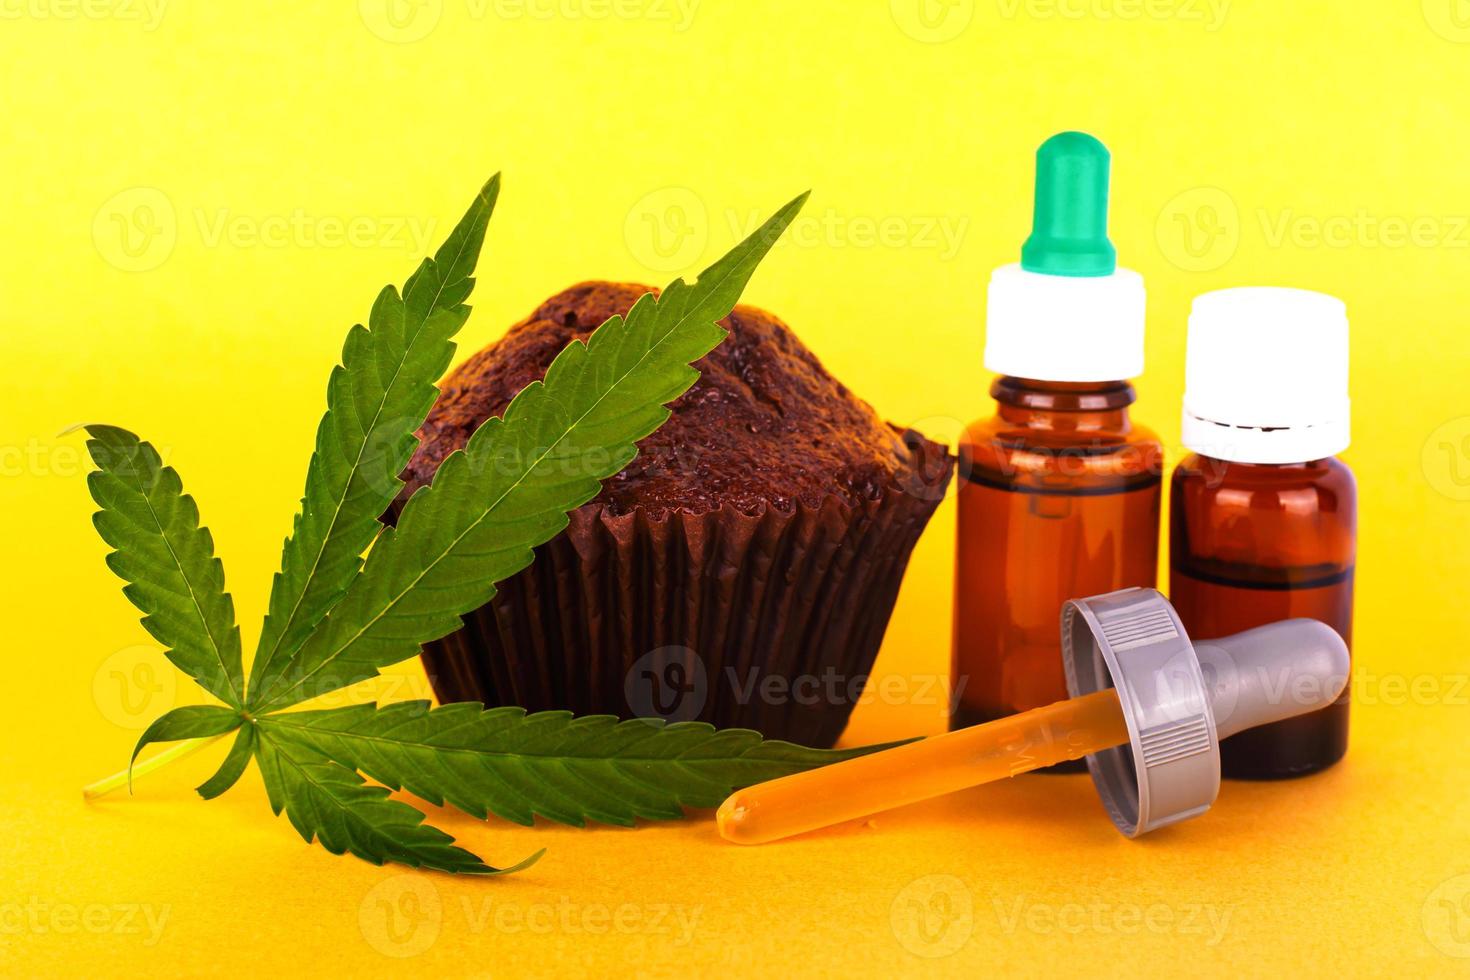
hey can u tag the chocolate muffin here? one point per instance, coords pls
(741, 570)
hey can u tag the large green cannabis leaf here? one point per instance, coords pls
(376, 399)
(334, 619)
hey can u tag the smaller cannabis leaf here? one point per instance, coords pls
(167, 559)
(332, 804)
(519, 766)
(181, 589)
(335, 619)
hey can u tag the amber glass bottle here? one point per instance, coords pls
(1059, 491)
(1058, 498)
(1263, 519)
(1253, 543)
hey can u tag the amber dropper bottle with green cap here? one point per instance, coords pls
(1059, 489)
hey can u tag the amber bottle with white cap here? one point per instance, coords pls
(1263, 520)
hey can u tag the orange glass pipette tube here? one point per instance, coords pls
(921, 770)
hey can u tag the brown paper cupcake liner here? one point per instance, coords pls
(768, 621)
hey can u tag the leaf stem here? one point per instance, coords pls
(120, 779)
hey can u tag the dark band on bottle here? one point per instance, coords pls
(1287, 580)
(1142, 481)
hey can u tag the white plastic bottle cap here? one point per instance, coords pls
(1266, 376)
(1065, 328)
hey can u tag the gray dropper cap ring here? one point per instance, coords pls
(1177, 711)
(1132, 640)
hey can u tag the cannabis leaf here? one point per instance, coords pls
(166, 558)
(190, 721)
(376, 399)
(512, 485)
(335, 807)
(334, 619)
(518, 766)
(234, 765)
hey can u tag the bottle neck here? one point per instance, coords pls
(1092, 405)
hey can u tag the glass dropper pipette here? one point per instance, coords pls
(924, 769)
(1153, 735)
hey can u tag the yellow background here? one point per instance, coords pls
(199, 199)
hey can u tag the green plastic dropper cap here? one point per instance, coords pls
(1069, 226)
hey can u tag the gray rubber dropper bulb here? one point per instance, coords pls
(1272, 672)
(1180, 698)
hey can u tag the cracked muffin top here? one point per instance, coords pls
(765, 424)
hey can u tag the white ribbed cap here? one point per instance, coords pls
(1266, 375)
(1064, 328)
